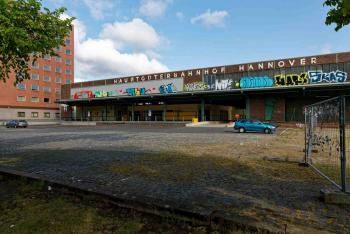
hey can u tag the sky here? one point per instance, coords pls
(116, 38)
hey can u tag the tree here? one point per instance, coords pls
(339, 13)
(27, 32)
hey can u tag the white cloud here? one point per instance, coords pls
(211, 19)
(136, 33)
(326, 49)
(154, 8)
(99, 58)
(99, 8)
(180, 15)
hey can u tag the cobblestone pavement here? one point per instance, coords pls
(205, 170)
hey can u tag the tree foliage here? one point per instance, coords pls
(27, 30)
(339, 13)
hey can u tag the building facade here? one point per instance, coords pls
(36, 98)
(274, 90)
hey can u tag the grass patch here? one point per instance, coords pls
(181, 168)
(28, 208)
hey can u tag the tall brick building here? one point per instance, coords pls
(36, 98)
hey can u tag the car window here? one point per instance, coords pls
(256, 122)
(243, 121)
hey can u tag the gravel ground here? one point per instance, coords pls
(206, 170)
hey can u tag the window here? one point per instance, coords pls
(47, 100)
(67, 42)
(67, 81)
(21, 114)
(47, 57)
(58, 91)
(35, 114)
(34, 76)
(58, 69)
(47, 67)
(21, 98)
(35, 99)
(47, 78)
(46, 114)
(21, 86)
(68, 52)
(67, 72)
(35, 88)
(58, 80)
(35, 64)
(58, 49)
(68, 62)
(47, 89)
(58, 59)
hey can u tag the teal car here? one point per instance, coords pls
(253, 125)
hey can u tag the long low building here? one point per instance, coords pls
(275, 90)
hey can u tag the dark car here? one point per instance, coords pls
(17, 124)
(253, 125)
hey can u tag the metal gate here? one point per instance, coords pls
(326, 140)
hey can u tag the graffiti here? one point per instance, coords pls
(223, 84)
(169, 88)
(196, 86)
(83, 95)
(256, 82)
(137, 91)
(291, 79)
(99, 94)
(334, 76)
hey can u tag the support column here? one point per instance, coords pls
(202, 110)
(164, 112)
(106, 108)
(247, 107)
(132, 113)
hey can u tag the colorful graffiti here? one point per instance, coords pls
(256, 82)
(331, 77)
(223, 84)
(86, 94)
(196, 86)
(291, 79)
(137, 91)
(168, 88)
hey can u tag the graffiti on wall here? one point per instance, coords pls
(137, 91)
(223, 84)
(196, 86)
(88, 94)
(331, 77)
(256, 82)
(168, 88)
(292, 79)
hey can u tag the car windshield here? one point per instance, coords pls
(256, 121)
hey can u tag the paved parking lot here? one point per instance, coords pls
(206, 170)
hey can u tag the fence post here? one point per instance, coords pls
(342, 142)
(310, 140)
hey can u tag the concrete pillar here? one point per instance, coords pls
(132, 113)
(164, 112)
(202, 110)
(247, 107)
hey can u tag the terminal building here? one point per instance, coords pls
(275, 90)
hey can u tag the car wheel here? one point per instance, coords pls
(267, 131)
(241, 130)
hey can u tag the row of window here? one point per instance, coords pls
(36, 114)
(58, 80)
(33, 99)
(57, 58)
(36, 88)
(48, 68)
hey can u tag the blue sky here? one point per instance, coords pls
(127, 37)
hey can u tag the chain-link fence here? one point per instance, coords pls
(326, 140)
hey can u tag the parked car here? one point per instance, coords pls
(253, 125)
(17, 124)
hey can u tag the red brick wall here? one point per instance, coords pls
(257, 107)
(279, 111)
